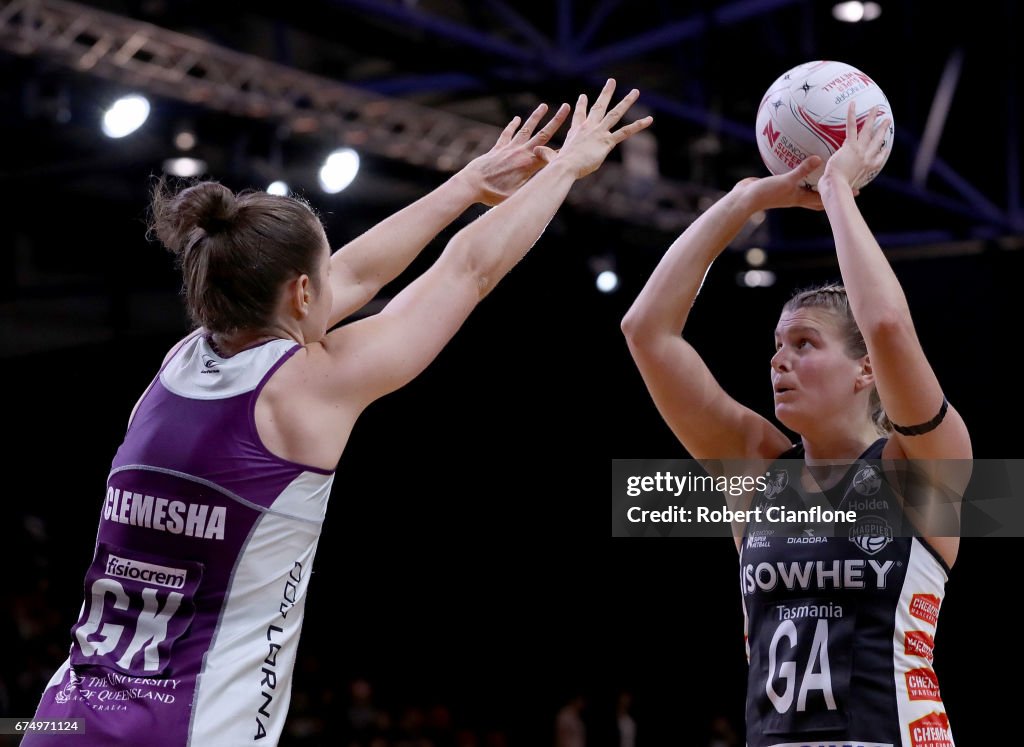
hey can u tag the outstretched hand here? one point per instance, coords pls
(862, 154)
(785, 190)
(590, 138)
(508, 165)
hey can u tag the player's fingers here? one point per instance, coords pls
(506, 135)
(579, 114)
(612, 117)
(548, 131)
(631, 129)
(603, 99)
(531, 123)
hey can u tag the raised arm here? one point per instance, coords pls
(364, 265)
(379, 354)
(707, 421)
(909, 390)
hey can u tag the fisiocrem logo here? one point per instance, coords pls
(158, 575)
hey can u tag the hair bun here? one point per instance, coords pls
(207, 205)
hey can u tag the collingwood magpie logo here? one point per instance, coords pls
(210, 366)
(776, 484)
(868, 480)
(871, 534)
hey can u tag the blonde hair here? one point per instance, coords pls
(832, 298)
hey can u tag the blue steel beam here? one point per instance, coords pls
(593, 24)
(520, 24)
(443, 28)
(406, 84)
(690, 27)
(563, 24)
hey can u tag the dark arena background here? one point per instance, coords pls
(466, 586)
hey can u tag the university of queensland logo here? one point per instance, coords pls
(67, 691)
(871, 533)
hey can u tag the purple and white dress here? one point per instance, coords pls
(195, 595)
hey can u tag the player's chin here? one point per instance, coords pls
(789, 415)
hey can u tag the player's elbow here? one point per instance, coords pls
(637, 328)
(471, 265)
(889, 325)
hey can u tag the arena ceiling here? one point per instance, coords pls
(421, 85)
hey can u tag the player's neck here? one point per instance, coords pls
(838, 445)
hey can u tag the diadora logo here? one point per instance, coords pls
(771, 133)
(871, 534)
(210, 366)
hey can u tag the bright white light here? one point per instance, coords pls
(757, 278)
(185, 140)
(853, 12)
(339, 170)
(607, 281)
(756, 257)
(126, 116)
(278, 188)
(185, 167)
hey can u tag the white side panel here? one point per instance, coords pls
(922, 715)
(244, 688)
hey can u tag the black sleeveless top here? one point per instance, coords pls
(840, 617)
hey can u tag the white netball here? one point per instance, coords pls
(803, 114)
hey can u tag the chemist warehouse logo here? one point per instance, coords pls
(871, 534)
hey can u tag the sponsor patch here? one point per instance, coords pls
(925, 607)
(922, 684)
(919, 643)
(931, 731)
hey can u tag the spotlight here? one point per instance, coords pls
(339, 170)
(184, 167)
(756, 278)
(756, 256)
(126, 115)
(185, 140)
(854, 12)
(278, 188)
(607, 281)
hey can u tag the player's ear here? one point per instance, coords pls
(866, 376)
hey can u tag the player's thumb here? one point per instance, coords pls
(808, 165)
(544, 153)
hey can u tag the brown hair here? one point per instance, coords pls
(832, 298)
(235, 251)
